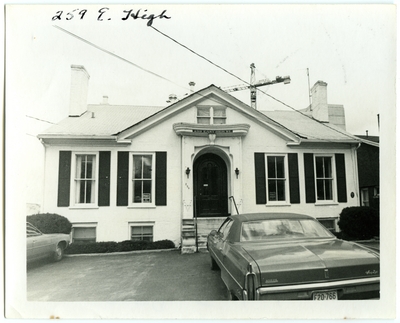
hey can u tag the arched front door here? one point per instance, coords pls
(210, 186)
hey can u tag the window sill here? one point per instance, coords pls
(277, 204)
(83, 207)
(141, 206)
(327, 203)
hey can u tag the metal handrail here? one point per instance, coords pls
(234, 202)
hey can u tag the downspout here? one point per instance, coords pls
(44, 175)
(182, 188)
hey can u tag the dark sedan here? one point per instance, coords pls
(284, 256)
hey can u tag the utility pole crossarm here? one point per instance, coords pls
(278, 79)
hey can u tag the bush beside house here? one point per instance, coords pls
(359, 223)
(111, 246)
(50, 223)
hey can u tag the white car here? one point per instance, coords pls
(40, 245)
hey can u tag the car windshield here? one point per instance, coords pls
(283, 229)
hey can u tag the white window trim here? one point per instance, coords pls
(334, 190)
(140, 224)
(131, 204)
(73, 204)
(286, 202)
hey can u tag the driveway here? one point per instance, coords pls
(154, 276)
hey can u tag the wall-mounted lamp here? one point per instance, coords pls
(237, 172)
(187, 172)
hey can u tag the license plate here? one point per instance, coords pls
(325, 296)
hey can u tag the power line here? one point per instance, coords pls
(115, 55)
(272, 97)
(39, 119)
(192, 51)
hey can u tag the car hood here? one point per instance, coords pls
(305, 261)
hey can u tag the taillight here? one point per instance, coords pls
(250, 284)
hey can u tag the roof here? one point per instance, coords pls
(104, 120)
(370, 140)
(306, 127)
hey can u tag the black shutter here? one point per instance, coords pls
(161, 178)
(341, 178)
(64, 178)
(104, 178)
(294, 178)
(122, 180)
(261, 187)
(309, 177)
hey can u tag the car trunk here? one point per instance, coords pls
(306, 262)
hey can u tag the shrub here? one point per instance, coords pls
(111, 246)
(50, 223)
(359, 223)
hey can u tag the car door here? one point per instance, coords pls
(221, 239)
(32, 235)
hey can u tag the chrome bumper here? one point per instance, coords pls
(352, 286)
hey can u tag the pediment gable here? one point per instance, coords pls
(238, 115)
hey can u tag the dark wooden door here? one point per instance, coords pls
(210, 183)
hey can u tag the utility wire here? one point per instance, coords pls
(115, 55)
(192, 51)
(223, 69)
(39, 119)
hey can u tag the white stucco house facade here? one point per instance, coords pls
(153, 173)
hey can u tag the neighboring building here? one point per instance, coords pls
(368, 171)
(151, 173)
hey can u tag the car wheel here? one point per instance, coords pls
(214, 265)
(59, 253)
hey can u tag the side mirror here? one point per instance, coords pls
(213, 232)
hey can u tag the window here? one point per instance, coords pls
(142, 233)
(211, 115)
(84, 234)
(364, 197)
(276, 178)
(142, 179)
(328, 223)
(324, 178)
(85, 179)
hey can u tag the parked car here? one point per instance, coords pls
(40, 245)
(288, 256)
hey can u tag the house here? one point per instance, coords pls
(368, 171)
(175, 172)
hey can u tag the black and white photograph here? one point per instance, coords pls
(177, 161)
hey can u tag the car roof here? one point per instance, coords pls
(234, 234)
(268, 215)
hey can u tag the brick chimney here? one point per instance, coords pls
(319, 103)
(79, 90)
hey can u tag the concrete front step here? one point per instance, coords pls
(204, 227)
